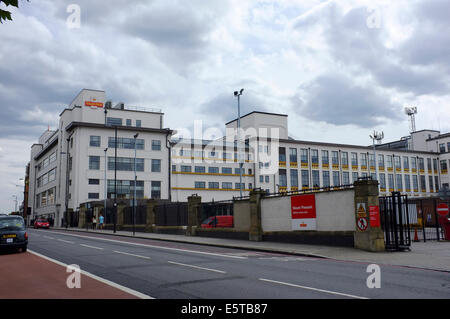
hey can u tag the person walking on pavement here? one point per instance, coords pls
(101, 220)
(94, 222)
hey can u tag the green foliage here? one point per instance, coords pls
(6, 15)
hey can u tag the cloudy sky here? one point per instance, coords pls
(339, 69)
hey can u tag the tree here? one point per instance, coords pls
(6, 15)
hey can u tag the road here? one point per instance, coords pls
(169, 270)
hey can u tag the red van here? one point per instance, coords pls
(218, 222)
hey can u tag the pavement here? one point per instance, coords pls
(431, 255)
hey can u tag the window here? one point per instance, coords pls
(415, 183)
(294, 178)
(282, 154)
(305, 179)
(128, 122)
(227, 185)
(126, 164)
(326, 178)
(389, 161)
(336, 179)
(94, 141)
(174, 168)
(126, 143)
(399, 183)
(213, 170)
(405, 162)
(363, 160)
(335, 158)
(346, 178)
(372, 160)
(94, 162)
(325, 158)
(238, 170)
(227, 170)
(94, 181)
(138, 123)
(200, 169)
(423, 186)
(397, 162)
(344, 156)
(156, 189)
(315, 157)
(283, 178)
(52, 157)
(407, 183)
(391, 181)
(380, 160)
(383, 181)
(442, 148)
(112, 121)
(443, 166)
(213, 185)
(430, 180)
(156, 165)
(304, 155)
(93, 195)
(261, 179)
(200, 185)
(354, 159)
(186, 169)
(293, 155)
(421, 164)
(238, 185)
(316, 178)
(413, 163)
(354, 177)
(156, 145)
(267, 179)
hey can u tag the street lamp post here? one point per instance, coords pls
(106, 187)
(15, 200)
(238, 95)
(376, 137)
(115, 177)
(135, 182)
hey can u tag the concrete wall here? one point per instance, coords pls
(335, 212)
(241, 212)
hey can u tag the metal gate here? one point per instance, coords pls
(395, 222)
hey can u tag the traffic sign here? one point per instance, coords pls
(362, 224)
(442, 209)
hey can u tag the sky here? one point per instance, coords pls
(339, 69)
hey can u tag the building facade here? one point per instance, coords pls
(81, 162)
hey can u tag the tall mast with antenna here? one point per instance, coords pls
(411, 112)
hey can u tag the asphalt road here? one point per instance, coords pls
(175, 270)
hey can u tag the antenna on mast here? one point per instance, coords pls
(411, 112)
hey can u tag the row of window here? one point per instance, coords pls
(125, 164)
(125, 189)
(397, 182)
(225, 185)
(442, 147)
(115, 121)
(355, 159)
(47, 161)
(211, 170)
(46, 198)
(210, 154)
(48, 177)
(124, 143)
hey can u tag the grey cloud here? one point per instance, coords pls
(337, 100)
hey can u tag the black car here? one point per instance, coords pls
(13, 233)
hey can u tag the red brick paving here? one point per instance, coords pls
(27, 276)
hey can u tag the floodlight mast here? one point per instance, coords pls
(376, 137)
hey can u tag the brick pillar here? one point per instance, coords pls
(151, 217)
(366, 236)
(120, 208)
(82, 217)
(194, 214)
(255, 232)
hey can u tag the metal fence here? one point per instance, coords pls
(140, 216)
(171, 214)
(222, 208)
(426, 220)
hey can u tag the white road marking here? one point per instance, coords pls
(48, 237)
(197, 267)
(314, 289)
(66, 241)
(105, 281)
(152, 246)
(128, 254)
(93, 247)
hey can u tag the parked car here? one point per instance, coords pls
(218, 222)
(41, 223)
(13, 233)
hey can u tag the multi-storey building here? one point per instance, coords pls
(79, 162)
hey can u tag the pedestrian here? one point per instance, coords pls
(94, 222)
(101, 220)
